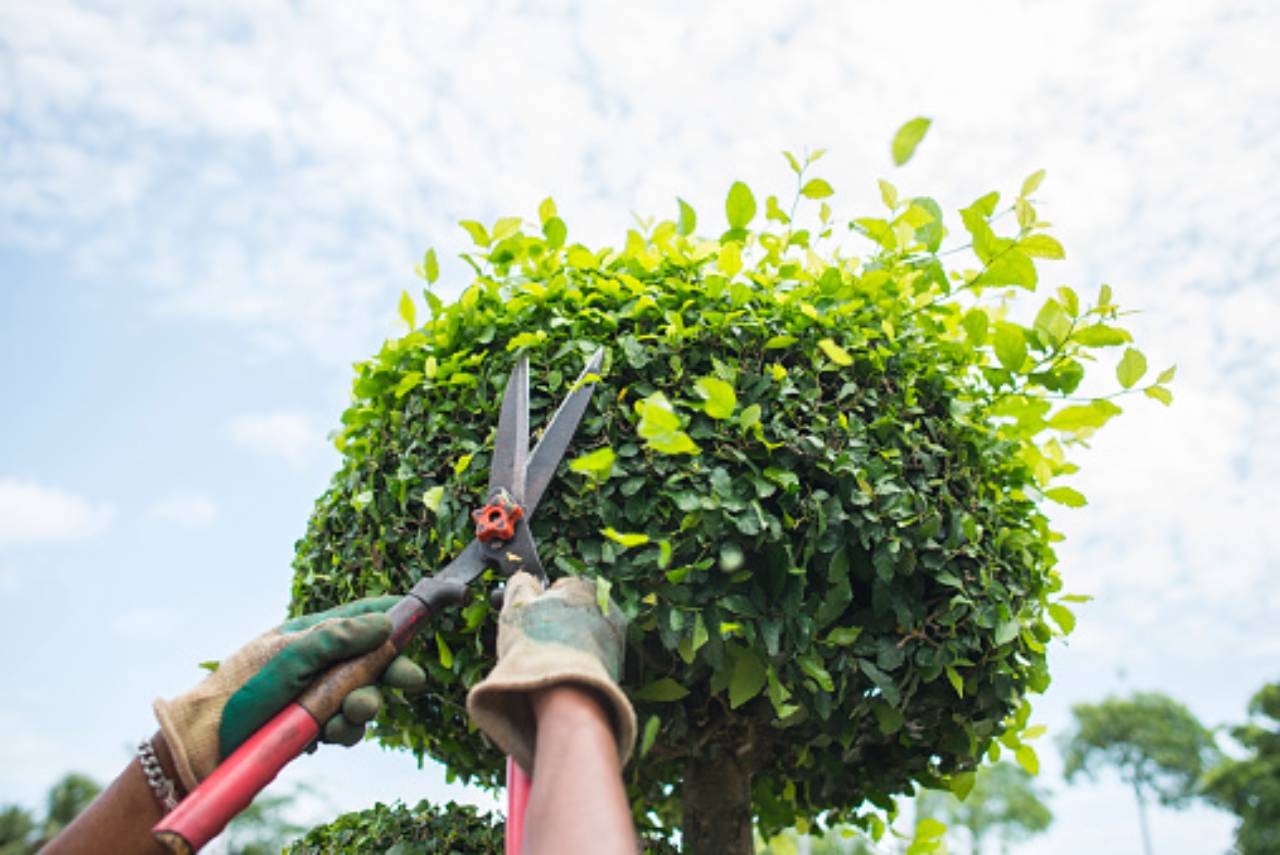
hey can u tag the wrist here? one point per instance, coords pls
(569, 700)
(167, 764)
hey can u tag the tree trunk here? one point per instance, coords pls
(717, 805)
(1142, 819)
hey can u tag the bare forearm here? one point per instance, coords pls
(120, 819)
(578, 805)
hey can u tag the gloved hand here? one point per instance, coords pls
(203, 726)
(544, 639)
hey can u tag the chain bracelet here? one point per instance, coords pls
(161, 786)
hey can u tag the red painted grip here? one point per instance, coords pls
(518, 786)
(203, 814)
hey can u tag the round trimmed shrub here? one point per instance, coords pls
(812, 480)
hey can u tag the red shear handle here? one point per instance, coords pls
(518, 787)
(203, 814)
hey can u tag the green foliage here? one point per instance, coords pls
(838, 462)
(907, 138)
(1250, 787)
(263, 828)
(425, 829)
(1156, 745)
(422, 830)
(1003, 803)
(22, 834)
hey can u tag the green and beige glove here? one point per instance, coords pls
(209, 722)
(547, 638)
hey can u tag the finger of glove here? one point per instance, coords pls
(341, 731)
(288, 674)
(362, 705)
(368, 605)
(404, 674)
(522, 588)
(332, 641)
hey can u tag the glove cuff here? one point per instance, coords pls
(500, 704)
(173, 723)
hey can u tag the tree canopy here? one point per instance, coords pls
(1250, 786)
(811, 476)
(1004, 804)
(1155, 744)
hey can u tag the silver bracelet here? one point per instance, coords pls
(161, 786)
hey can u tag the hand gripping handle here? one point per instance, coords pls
(203, 814)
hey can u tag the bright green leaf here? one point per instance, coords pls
(662, 691)
(1101, 335)
(729, 261)
(660, 427)
(651, 728)
(907, 138)
(688, 220)
(603, 587)
(1010, 344)
(430, 267)
(626, 541)
(1063, 617)
(546, 210)
(598, 464)
(740, 206)
(408, 313)
(431, 498)
(1032, 183)
(1131, 368)
(1066, 496)
(1087, 417)
(1027, 759)
(718, 395)
(443, 651)
(479, 235)
(889, 195)
(930, 829)
(1166, 375)
(1042, 246)
(1160, 393)
(816, 188)
(835, 352)
(526, 339)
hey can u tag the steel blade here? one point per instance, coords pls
(465, 568)
(559, 433)
(511, 444)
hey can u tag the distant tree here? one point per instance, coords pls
(65, 800)
(17, 830)
(1250, 787)
(263, 828)
(1004, 803)
(1156, 744)
(22, 834)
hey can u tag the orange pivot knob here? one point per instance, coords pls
(497, 520)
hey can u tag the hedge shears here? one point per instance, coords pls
(517, 479)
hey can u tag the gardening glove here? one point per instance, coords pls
(547, 638)
(209, 722)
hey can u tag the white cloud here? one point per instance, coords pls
(185, 509)
(287, 435)
(34, 512)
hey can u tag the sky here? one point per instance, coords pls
(208, 212)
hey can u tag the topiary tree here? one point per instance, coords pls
(812, 480)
